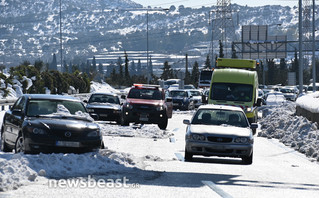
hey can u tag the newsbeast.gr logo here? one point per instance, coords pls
(91, 182)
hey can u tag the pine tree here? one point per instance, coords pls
(139, 67)
(207, 62)
(132, 69)
(195, 74)
(167, 71)
(187, 74)
(119, 64)
(94, 69)
(54, 65)
(127, 79)
(233, 50)
(221, 49)
(65, 67)
(39, 65)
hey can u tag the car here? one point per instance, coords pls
(49, 123)
(196, 97)
(205, 96)
(289, 93)
(275, 99)
(104, 106)
(189, 86)
(219, 130)
(182, 99)
(146, 104)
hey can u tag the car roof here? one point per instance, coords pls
(223, 107)
(103, 93)
(50, 96)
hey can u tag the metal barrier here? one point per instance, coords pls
(5, 104)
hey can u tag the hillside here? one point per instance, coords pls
(30, 30)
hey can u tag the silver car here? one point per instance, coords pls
(217, 130)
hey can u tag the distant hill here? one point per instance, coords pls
(30, 30)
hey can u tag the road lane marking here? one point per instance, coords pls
(218, 190)
(179, 157)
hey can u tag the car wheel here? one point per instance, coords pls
(4, 146)
(163, 124)
(188, 157)
(102, 145)
(20, 144)
(124, 122)
(248, 160)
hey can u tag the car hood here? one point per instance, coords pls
(52, 123)
(144, 101)
(103, 106)
(220, 130)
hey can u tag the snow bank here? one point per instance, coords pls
(309, 102)
(280, 122)
(17, 169)
(102, 87)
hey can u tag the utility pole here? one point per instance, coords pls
(313, 47)
(300, 49)
(61, 35)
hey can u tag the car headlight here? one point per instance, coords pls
(128, 105)
(242, 140)
(198, 137)
(94, 133)
(249, 109)
(90, 110)
(36, 130)
(160, 108)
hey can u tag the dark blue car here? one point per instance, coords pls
(182, 99)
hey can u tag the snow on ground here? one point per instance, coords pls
(280, 122)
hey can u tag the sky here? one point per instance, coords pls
(197, 4)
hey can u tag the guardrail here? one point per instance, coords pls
(6, 103)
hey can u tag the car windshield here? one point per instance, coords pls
(37, 107)
(103, 98)
(150, 94)
(195, 93)
(219, 117)
(177, 94)
(286, 91)
(232, 92)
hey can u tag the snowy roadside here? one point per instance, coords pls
(280, 122)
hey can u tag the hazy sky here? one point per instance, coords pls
(200, 3)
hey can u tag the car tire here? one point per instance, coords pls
(19, 146)
(102, 145)
(4, 146)
(124, 122)
(248, 160)
(163, 124)
(188, 156)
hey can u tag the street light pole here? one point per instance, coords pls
(300, 49)
(147, 43)
(61, 35)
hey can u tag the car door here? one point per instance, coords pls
(13, 120)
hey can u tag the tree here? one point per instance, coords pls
(233, 50)
(132, 68)
(295, 66)
(139, 67)
(54, 64)
(94, 70)
(221, 49)
(119, 64)
(65, 67)
(39, 65)
(127, 79)
(167, 71)
(195, 74)
(207, 62)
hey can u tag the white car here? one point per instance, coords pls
(275, 99)
(217, 130)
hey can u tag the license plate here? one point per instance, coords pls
(143, 117)
(68, 144)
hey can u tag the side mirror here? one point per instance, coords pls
(123, 97)
(85, 101)
(186, 122)
(17, 112)
(259, 101)
(253, 125)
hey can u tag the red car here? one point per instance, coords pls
(146, 104)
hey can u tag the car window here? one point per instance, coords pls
(103, 98)
(45, 107)
(219, 117)
(20, 104)
(151, 94)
